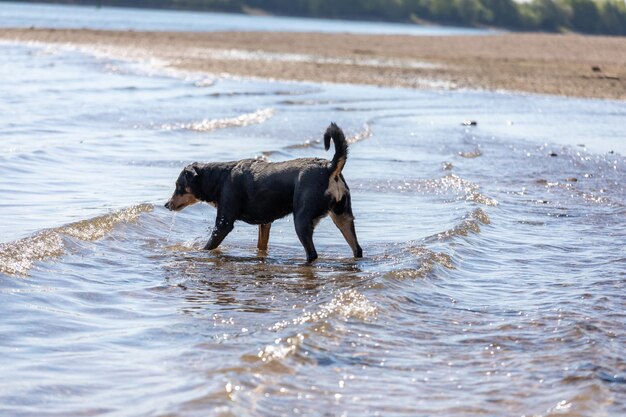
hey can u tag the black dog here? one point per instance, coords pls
(260, 192)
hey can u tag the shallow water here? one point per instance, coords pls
(492, 284)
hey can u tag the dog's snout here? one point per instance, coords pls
(167, 205)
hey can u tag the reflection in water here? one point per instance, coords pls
(492, 282)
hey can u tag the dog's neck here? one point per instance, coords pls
(211, 177)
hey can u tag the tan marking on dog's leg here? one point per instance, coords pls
(345, 224)
(264, 236)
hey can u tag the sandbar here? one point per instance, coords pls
(557, 64)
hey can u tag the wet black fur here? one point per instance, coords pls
(259, 192)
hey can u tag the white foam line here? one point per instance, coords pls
(208, 125)
(245, 55)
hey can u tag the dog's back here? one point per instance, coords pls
(268, 188)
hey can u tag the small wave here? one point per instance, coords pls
(280, 349)
(347, 304)
(428, 260)
(468, 188)
(204, 82)
(244, 55)
(451, 183)
(208, 125)
(572, 187)
(18, 257)
(274, 357)
(362, 135)
(469, 224)
(305, 102)
(264, 93)
(471, 154)
(303, 145)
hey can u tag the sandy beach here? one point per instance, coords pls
(567, 65)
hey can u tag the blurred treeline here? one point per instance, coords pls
(586, 16)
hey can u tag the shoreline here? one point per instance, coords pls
(563, 65)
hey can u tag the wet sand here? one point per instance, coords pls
(567, 65)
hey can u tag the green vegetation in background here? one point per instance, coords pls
(586, 16)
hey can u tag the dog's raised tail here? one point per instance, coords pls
(341, 148)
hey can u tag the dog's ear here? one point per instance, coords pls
(191, 174)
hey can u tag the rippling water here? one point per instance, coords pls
(492, 284)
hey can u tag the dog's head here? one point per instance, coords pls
(187, 189)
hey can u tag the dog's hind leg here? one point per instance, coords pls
(308, 210)
(345, 223)
(304, 230)
(264, 236)
(341, 213)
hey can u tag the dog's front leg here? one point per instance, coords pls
(223, 226)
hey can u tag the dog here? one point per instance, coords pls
(259, 192)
